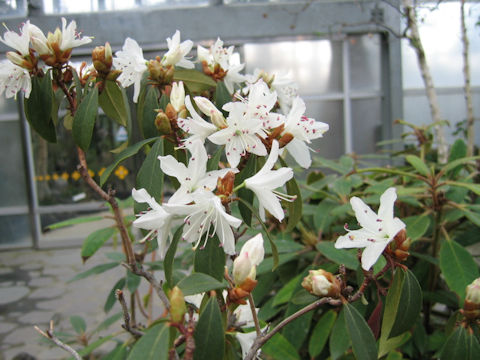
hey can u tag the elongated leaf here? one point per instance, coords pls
(470, 186)
(133, 281)
(339, 256)
(125, 154)
(153, 345)
(164, 101)
(105, 324)
(474, 217)
(198, 283)
(320, 333)
(460, 345)
(150, 176)
(119, 353)
(418, 164)
(339, 340)
(113, 104)
(95, 270)
(410, 303)
(393, 343)
(112, 299)
(212, 163)
(146, 114)
(209, 335)
(211, 259)
(244, 193)
(294, 207)
(94, 345)
(454, 164)
(286, 292)
(94, 241)
(78, 324)
(170, 257)
(458, 267)
(194, 80)
(417, 226)
(74, 221)
(280, 348)
(457, 151)
(222, 96)
(84, 120)
(392, 303)
(363, 342)
(38, 108)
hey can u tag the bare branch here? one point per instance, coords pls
(254, 314)
(50, 335)
(126, 316)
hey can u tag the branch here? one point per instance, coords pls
(126, 316)
(50, 335)
(254, 314)
(260, 340)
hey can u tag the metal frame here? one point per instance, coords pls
(238, 24)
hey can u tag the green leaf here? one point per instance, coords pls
(119, 353)
(452, 165)
(212, 163)
(458, 267)
(461, 345)
(146, 114)
(470, 186)
(339, 340)
(418, 164)
(303, 297)
(294, 207)
(112, 102)
(38, 108)
(244, 193)
(320, 333)
(94, 241)
(198, 283)
(209, 335)
(322, 217)
(194, 80)
(222, 96)
(417, 226)
(95, 270)
(84, 120)
(74, 221)
(269, 263)
(128, 152)
(153, 345)
(105, 324)
(78, 324)
(150, 176)
(472, 216)
(392, 304)
(339, 256)
(410, 303)
(94, 345)
(211, 259)
(363, 341)
(280, 348)
(112, 299)
(457, 151)
(133, 281)
(164, 101)
(286, 292)
(170, 257)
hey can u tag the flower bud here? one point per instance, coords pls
(211, 111)
(102, 58)
(242, 268)
(254, 249)
(178, 308)
(225, 185)
(177, 95)
(321, 283)
(471, 308)
(16, 58)
(162, 123)
(400, 245)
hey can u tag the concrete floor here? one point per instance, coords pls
(34, 289)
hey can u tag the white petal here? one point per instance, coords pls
(172, 167)
(371, 253)
(254, 248)
(354, 239)
(300, 153)
(365, 216)
(142, 196)
(387, 200)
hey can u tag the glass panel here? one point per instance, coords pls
(330, 112)
(13, 8)
(365, 66)
(15, 230)
(12, 172)
(8, 106)
(315, 65)
(58, 181)
(366, 125)
(68, 6)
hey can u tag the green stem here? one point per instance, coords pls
(238, 187)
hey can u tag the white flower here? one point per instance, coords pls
(206, 217)
(240, 135)
(38, 39)
(246, 341)
(243, 315)
(70, 37)
(157, 220)
(177, 95)
(303, 130)
(265, 181)
(377, 229)
(198, 128)
(207, 107)
(194, 176)
(19, 42)
(287, 90)
(14, 78)
(132, 64)
(254, 248)
(251, 255)
(233, 76)
(175, 55)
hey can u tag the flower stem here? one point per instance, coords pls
(238, 187)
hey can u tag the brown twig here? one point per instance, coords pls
(254, 314)
(260, 340)
(50, 335)
(363, 287)
(140, 306)
(126, 315)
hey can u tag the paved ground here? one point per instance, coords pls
(34, 289)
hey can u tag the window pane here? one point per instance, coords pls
(15, 230)
(365, 66)
(13, 8)
(315, 65)
(366, 125)
(12, 173)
